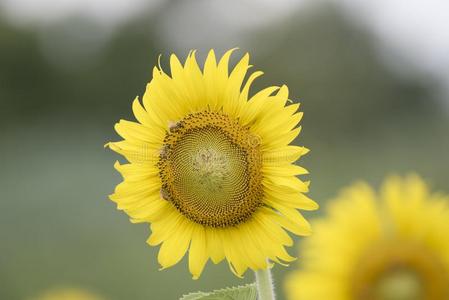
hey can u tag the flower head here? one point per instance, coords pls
(211, 168)
(392, 245)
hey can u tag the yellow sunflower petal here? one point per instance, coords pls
(214, 245)
(197, 253)
(173, 249)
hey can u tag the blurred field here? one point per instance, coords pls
(57, 228)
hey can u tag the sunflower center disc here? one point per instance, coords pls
(400, 271)
(211, 170)
(400, 285)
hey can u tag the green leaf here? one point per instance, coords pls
(194, 296)
(246, 292)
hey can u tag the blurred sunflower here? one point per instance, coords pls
(67, 294)
(212, 170)
(391, 246)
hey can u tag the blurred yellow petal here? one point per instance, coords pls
(392, 244)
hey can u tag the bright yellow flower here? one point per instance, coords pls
(212, 170)
(67, 294)
(388, 246)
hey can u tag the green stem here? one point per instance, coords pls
(265, 288)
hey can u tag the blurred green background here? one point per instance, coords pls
(64, 82)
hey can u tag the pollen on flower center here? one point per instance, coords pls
(210, 170)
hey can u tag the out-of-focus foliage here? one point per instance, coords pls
(334, 68)
(32, 87)
(331, 64)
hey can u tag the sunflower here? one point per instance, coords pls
(67, 294)
(388, 246)
(211, 168)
